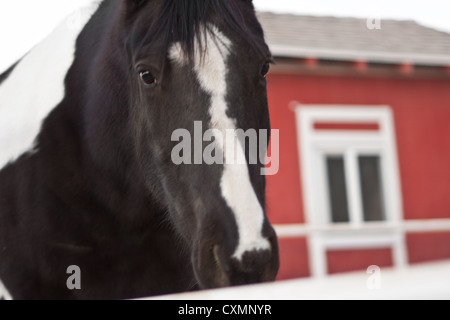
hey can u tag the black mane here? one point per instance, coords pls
(183, 21)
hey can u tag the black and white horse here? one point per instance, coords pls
(87, 177)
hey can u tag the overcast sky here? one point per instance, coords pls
(23, 23)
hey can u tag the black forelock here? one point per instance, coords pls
(183, 21)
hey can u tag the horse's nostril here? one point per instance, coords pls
(223, 269)
(254, 267)
(255, 261)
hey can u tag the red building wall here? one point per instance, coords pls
(421, 110)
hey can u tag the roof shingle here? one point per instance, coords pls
(351, 39)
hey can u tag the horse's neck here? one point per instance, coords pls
(36, 86)
(41, 84)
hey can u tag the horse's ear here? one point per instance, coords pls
(133, 6)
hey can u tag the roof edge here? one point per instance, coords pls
(355, 55)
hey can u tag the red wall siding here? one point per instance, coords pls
(422, 120)
(358, 260)
(284, 196)
(294, 259)
(424, 247)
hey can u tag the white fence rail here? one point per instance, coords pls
(422, 282)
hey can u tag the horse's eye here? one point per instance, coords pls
(148, 78)
(265, 69)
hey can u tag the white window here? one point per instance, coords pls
(350, 180)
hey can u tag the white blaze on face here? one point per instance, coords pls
(36, 86)
(210, 67)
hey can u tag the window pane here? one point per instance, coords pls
(371, 188)
(337, 189)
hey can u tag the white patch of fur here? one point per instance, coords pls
(237, 190)
(36, 87)
(4, 294)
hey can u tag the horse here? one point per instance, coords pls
(92, 205)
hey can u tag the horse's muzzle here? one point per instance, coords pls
(216, 268)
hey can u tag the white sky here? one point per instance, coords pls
(24, 23)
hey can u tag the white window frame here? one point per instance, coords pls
(315, 145)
